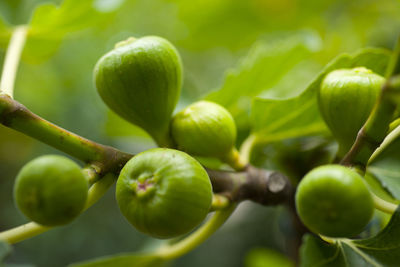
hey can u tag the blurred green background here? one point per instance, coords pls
(212, 37)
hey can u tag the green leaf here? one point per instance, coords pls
(124, 260)
(263, 67)
(386, 166)
(277, 119)
(5, 249)
(263, 257)
(49, 24)
(381, 250)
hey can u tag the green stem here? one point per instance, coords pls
(90, 174)
(12, 59)
(247, 147)
(327, 239)
(219, 202)
(195, 239)
(383, 205)
(32, 229)
(18, 117)
(235, 160)
(163, 139)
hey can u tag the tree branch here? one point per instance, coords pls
(258, 185)
(104, 158)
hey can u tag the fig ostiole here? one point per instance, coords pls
(346, 98)
(51, 190)
(164, 192)
(334, 201)
(206, 129)
(140, 80)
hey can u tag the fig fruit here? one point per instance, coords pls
(51, 190)
(140, 80)
(334, 201)
(346, 98)
(164, 192)
(205, 129)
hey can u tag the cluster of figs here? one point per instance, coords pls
(165, 192)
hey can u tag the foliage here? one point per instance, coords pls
(380, 250)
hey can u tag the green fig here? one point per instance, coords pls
(51, 190)
(334, 201)
(140, 80)
(206, 129)
(164, 192)
(346, 98)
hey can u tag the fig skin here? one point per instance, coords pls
(51, 190)
(140, 80)
(164, 193)
(346, 98)
(205, 129)
(334, 201)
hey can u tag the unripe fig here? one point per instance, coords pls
(205, 129)
(346, 98)
(164, 192)
(51, 190)
(140, 80)
(334, 201)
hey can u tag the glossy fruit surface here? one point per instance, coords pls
(140, 80)
(164, 192)
(346, 98)
(51, 190)
(334, 201)
(204, 129)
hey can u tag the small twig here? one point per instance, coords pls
(12, 59)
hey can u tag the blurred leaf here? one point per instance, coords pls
(381, 250)
(124, 260)
(49, 24)
(275, 120)
(5, 33)
(116, 126)
(386, 167)
(278, 119)
(263, 257)
(263, 67)
(5, 249)
(20, 144)
(315, 252)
